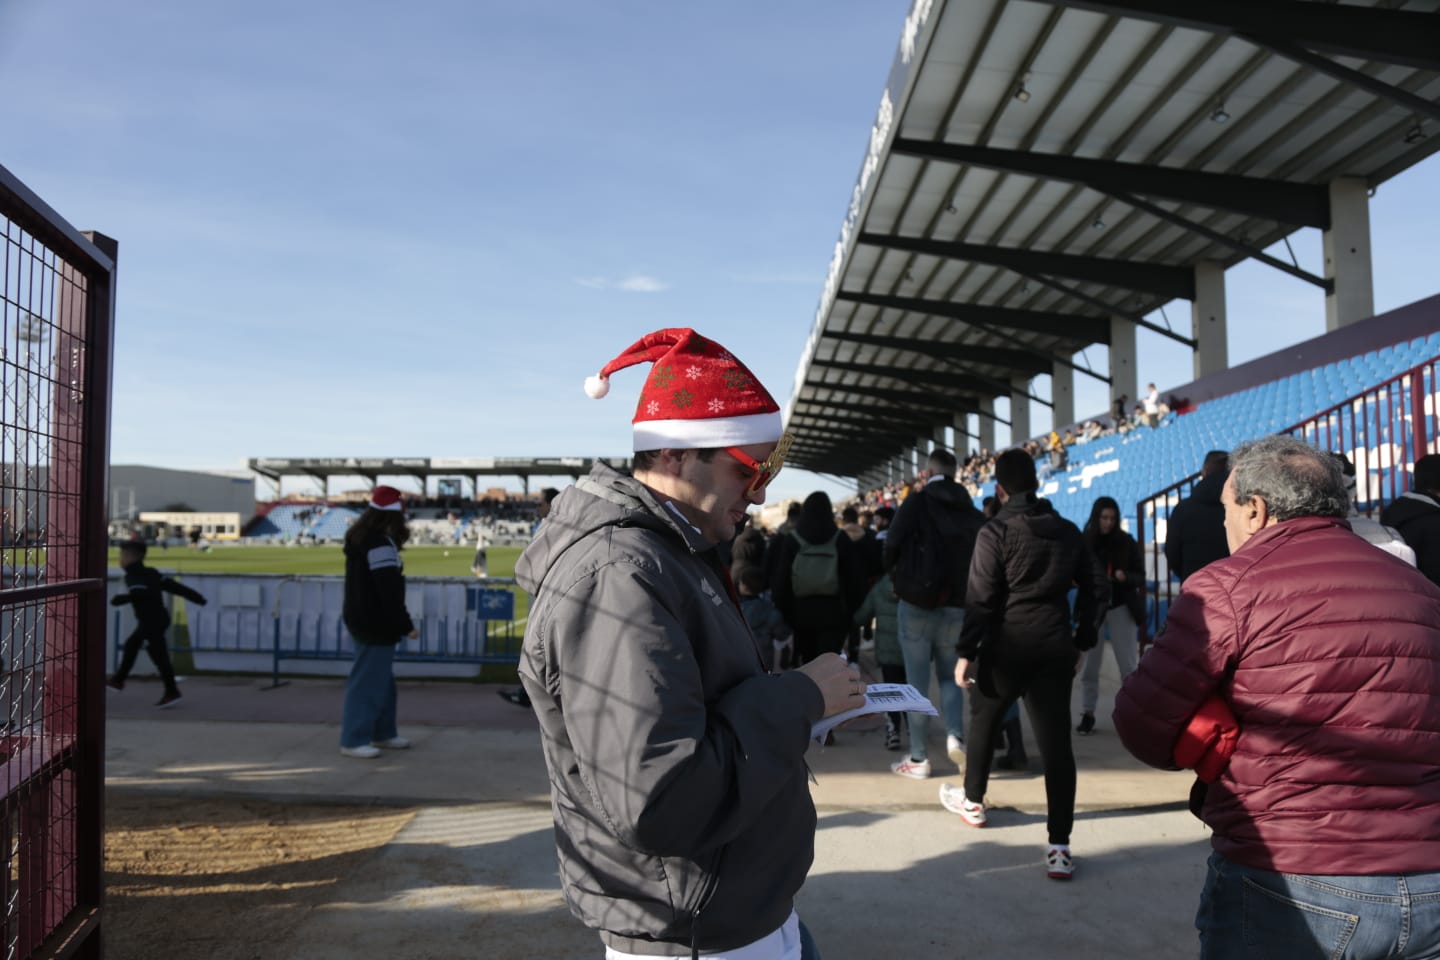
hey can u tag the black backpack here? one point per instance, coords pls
(934, 561)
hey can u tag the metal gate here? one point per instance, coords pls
(57, 301)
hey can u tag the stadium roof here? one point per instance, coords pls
(1040, 166)
(273, 468)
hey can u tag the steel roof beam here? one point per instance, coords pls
(829, 413)
(1301, 204)
(953, 381)
(1367, 33)
(1380, 88)
(1084, 330)
(1160, 279)
(909, 398)
(1024, 360)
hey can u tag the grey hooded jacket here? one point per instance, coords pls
(682, 810)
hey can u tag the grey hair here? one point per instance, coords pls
(1293, 478)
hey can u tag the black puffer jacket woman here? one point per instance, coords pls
(1120, 556)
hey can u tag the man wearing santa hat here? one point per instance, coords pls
(683, 817)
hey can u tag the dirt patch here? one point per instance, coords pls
(226, 878)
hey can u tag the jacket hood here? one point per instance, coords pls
(1209, 488)
(950, 493)
(1036, 513)
(605, 498)
(1404, 509)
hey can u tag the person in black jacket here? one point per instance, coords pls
(143, 587)
(376, 617)
(1416, 515)
(927, 553)
(1018, 641)
(820, 621)
(1119, 555)
(1195, 533)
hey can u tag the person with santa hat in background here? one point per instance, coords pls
(683, 817)
(376, 617)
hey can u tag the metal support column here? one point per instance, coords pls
(1347, 255)
(1207, 315)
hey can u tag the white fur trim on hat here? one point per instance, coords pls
(714, 432)
(597, 387)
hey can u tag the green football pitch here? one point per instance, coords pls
(420, 561)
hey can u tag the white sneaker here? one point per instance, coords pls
(955, 748)
(394, 743)
(914, 769)
(952, 798)
(363, 752)
(1058, 864)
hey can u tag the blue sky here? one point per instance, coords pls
(381, 229)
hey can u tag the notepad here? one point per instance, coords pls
(879, 698)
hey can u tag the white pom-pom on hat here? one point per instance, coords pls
(597, 387)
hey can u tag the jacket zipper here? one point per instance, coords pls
(709, 894)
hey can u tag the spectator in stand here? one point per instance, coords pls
(818, 580)
(1326, 816)
(1416, 516)
(1119, 555)
(928, 556)
(1152, 405)
(377, 620)
(1195, 533)
(1018, 642)
(884, 516)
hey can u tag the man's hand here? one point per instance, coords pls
(1119, 576)
(414, 634)
(839, 683)
(965, 672)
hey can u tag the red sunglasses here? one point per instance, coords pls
(766, 471)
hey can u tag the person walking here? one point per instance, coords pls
(880, 611)
(818, 579)
(143, 586)
(927, 552)
(1124, 565)
(1195, 532)
(376, 617)
(1018, 641)
(683, 818)
(1324, 652)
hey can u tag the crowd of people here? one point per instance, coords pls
(678, 659)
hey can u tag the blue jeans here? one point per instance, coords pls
(369, 713)
(928, 636)
(1250, 913)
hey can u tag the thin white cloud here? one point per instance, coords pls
(637, 283)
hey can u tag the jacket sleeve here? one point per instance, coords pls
(1180, 671)
(1092, 594)
(851, 562)
(900, 528)
(180, 590)
(1175, 541)
(984, 591)
(389, 582)
(866, 611)
(669, 774)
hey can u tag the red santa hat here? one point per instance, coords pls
(697, 395)
(387, 498)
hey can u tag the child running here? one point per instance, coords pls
(144, 586)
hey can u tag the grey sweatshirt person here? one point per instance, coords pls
(683, 816)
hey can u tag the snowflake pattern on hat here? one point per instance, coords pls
(696, 395)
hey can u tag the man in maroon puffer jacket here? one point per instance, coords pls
(1327, 820)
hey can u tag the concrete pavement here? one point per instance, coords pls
(474, 875)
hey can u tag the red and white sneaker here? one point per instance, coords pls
(914, 769)
(1058, 863)
(952, 798)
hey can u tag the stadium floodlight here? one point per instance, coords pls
(1219, 115)
(1415, 134)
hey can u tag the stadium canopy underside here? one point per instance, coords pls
(1043, 175)
(371, 469)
